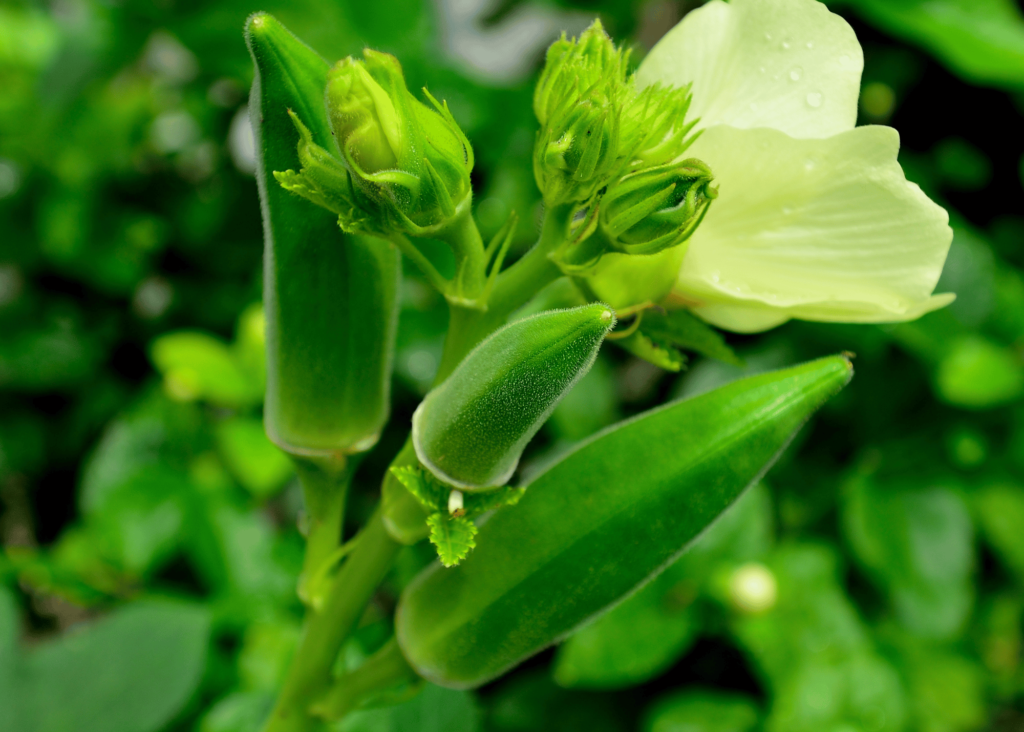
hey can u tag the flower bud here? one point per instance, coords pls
(656, 208)
(410, 165)
(594, 123)
(471, 430)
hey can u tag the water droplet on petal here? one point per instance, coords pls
(762, 69)
(785, 45)
(810, 45)
(814, 100)
(715, 276)
(810, 164)
(795, 73)
(767, 36)
(787, 210)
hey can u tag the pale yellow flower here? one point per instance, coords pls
(815, 219)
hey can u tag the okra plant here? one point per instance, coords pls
(721, 182)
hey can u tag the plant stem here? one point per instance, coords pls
(513, 289)
(324, 484)
(326, 629)
(383, 670)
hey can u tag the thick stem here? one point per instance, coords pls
(513, 289)
(324, 486)
(310, 674)
(382, 671)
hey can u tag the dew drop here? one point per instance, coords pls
(810, 45)
(787, 210)
(715, 276)
(814, 100)
(767, 36)
(762, 69)
(810, 164)
(785, 45)
(795, 73)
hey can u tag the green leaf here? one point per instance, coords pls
(657, 351)
(811, 647)
(198, 366)
(1000, 512)
(259, 465)
(132, 671)
(702, 711)
(239, 712)
(686, 331)
(947, 690)
(917, 544)
(432, 710)
(977, 374)
(600, 522)
(427, 490)
(9, 622)
(454, 537)
(980, 40)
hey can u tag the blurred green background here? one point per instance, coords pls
(149, 529)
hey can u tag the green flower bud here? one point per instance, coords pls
(471, 430)
(595, 126)
(656, 208)
(410, 165)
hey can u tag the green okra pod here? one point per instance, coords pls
(330, 299)
(600, 522)
(471, 430)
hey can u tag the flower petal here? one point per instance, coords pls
(624, 280)
(826, 230)
(786, 64)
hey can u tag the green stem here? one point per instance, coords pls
(327, 629)
(514, 288)
(382, 671)
(470, 258)
(324, 484)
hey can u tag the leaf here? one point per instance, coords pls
(947, 691)
(9, 623)
(980, 40)
(917, 544)
(601, 521)
(975, 373)
(454, 537)
(259, 465)
(132, 671)
(702, 711)
(238, 712)
(432, 710)
(815, 653)
(659, 352)
(686, 331)
(1000, 511)
(427, 490)
(198, 366)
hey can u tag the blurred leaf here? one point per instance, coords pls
(815, 653)
(266, 650)
(702, 711)
(1000, 511)
(963, 166)
(977, 374)
(259, 465)
(531, 702)
(917, 544)
(198, 366)
(9, 622)
(129, 672)
(947, 691)
(239, 712)
(981, 40)
(434, 709)
(57, 355)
